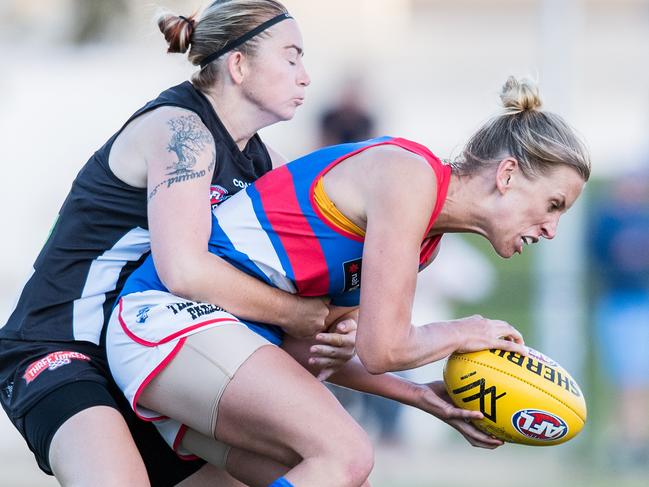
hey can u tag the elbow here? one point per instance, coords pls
(381, 353)
(175, 284)
(177, 288)
(376, 368)
(377, 362)
(178, 279)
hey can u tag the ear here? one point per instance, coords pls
(236, 67)
(506, 172)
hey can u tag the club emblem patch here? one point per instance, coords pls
(218, 194)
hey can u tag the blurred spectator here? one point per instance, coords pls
(93, 19)
(348, 119)
(620, 248)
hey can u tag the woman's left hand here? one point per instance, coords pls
(333, 349)
(434, 399)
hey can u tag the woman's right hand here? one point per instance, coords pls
(434, 399)
(308, 318)
(479, 333)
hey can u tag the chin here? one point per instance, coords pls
(505, 253)
(285, 115)
(281, 114)
(290, 113)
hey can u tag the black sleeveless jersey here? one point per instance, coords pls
(101, 234)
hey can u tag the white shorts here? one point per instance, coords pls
(148, 329)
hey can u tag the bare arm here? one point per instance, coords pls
(180, 163)
(430, 398)
(386, 339)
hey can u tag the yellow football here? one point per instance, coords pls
(530, 400)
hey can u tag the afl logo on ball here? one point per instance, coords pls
(539, 425)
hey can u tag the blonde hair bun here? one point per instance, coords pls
(519, 95)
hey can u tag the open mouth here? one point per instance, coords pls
(526, 240)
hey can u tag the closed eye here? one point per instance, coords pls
(557, 205)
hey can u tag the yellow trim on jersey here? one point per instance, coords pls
(332, 213)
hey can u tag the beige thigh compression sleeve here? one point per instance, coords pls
(190, 386)
(206, 447)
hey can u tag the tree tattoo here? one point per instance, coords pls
(188, 138)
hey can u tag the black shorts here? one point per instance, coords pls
(43, 384)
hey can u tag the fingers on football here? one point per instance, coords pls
(508, 332)
(482, 444)
(510, 346)
(444, 409)
(477, 438)
(452, 412)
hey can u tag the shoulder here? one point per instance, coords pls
(166, 120)
(397, 168)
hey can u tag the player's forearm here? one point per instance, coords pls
(353, 375)
(414, 347)
(429, 343)
(210, 279)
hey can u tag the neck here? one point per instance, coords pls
(241, 118)
(464, 208)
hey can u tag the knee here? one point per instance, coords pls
(354, 460)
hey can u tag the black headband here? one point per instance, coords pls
(245, 37)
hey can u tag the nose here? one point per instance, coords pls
(303, 78)
(549, 228)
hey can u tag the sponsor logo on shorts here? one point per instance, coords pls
(539, 425)
(143, 314)
(352, 271)
(195, 310)
(218, 194)
(51, 362)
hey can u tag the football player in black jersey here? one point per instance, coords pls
(147, 188)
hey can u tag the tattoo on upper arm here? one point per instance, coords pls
(188, 138)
